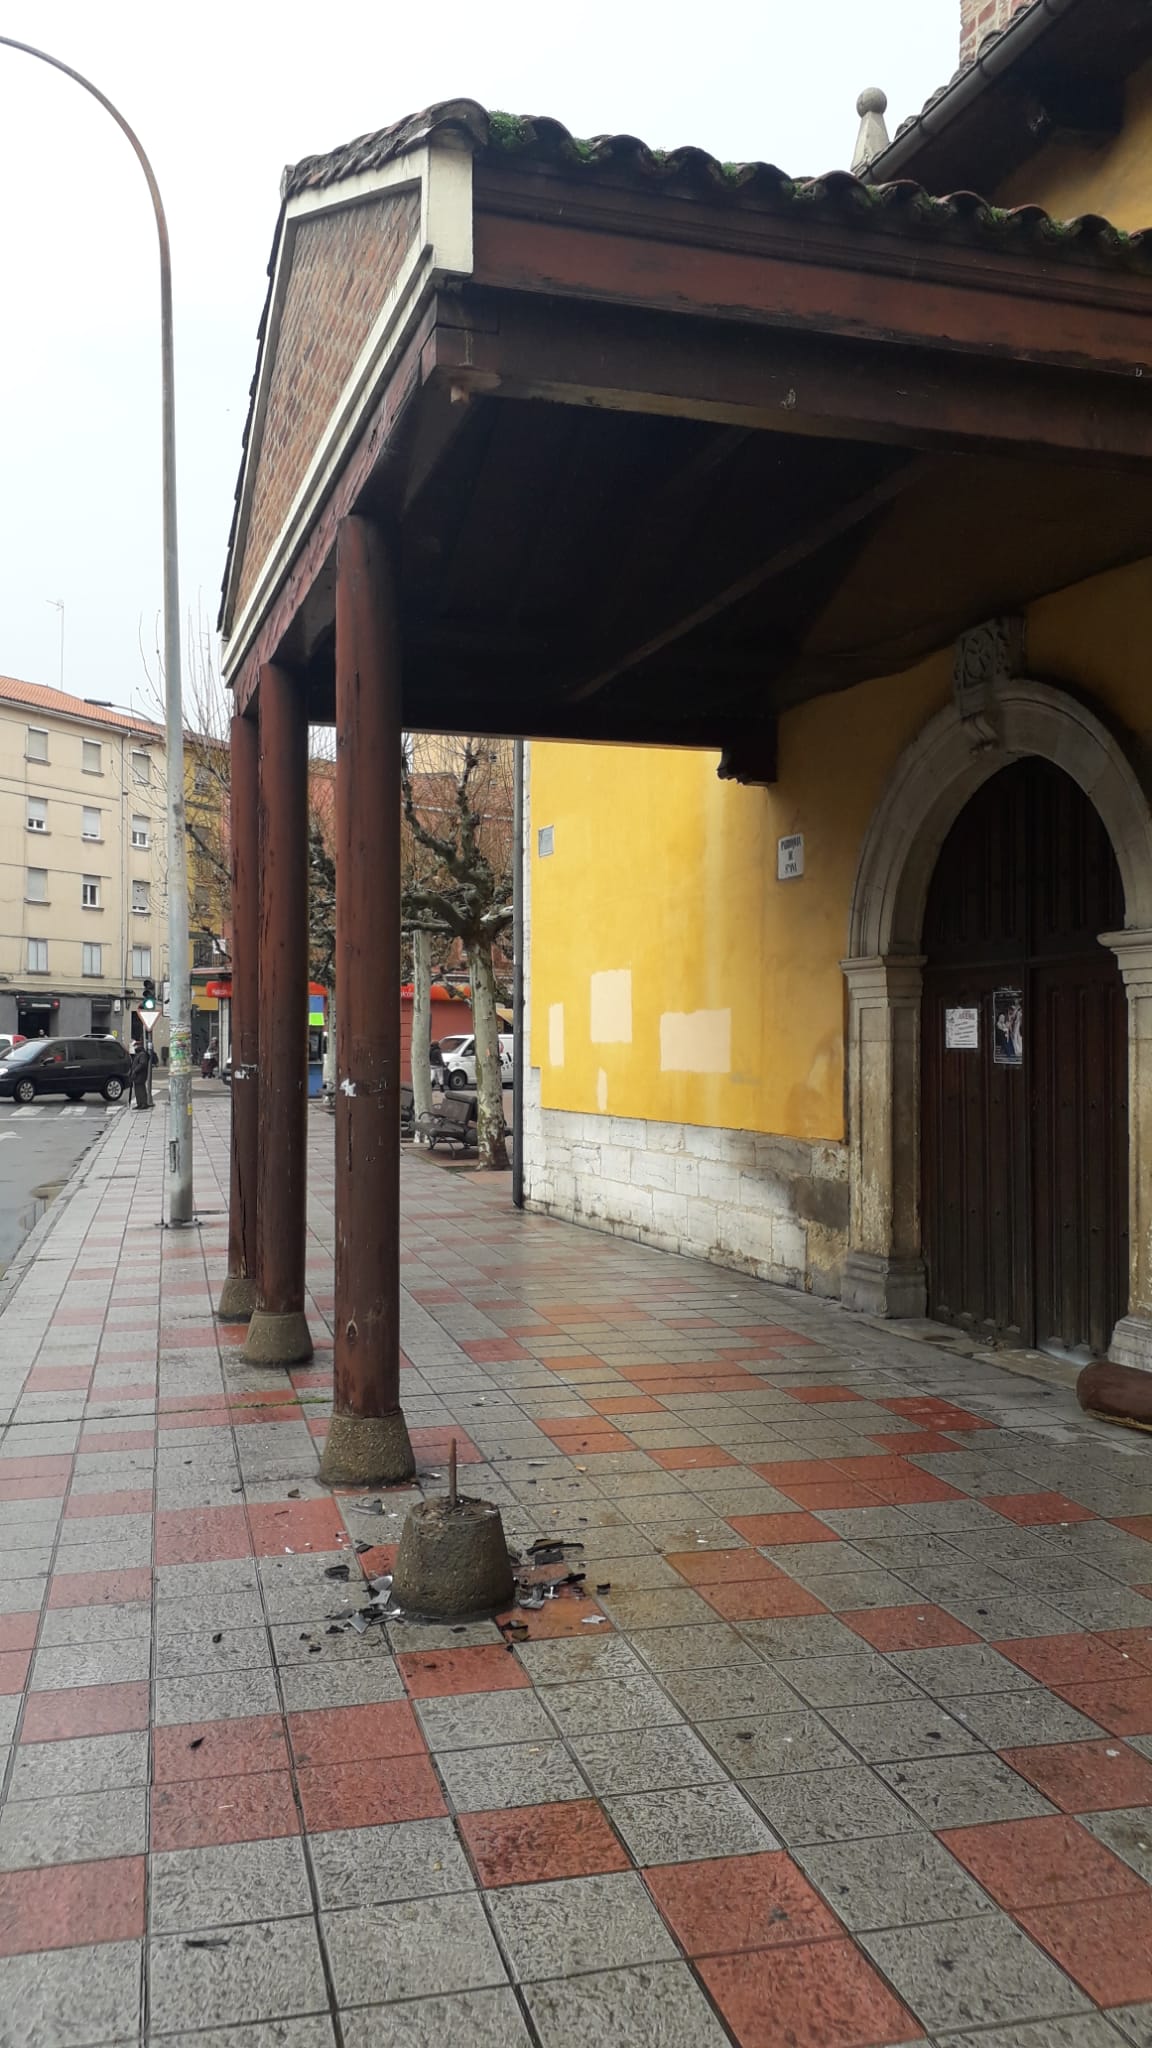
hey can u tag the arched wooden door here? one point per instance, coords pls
(1024, 1126)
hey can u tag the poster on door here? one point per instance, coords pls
(1008, 1027)
(962, 1030)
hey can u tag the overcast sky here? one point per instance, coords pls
(223, 95)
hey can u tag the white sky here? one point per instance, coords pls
(223, 95)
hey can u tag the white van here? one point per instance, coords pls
(459, 1056)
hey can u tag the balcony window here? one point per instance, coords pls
(93, 758)
(93, 959)
(141, 836)
(37, 814)
(141, 898)
(36, 743)
(141, 768)
(37, 956)
(141, 962)
(36, 885)
(90, 892)
(92, 826)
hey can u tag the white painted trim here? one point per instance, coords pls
(442, 248)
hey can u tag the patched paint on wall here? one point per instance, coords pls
(610, 993)
(601, 1091)
(696, 1042)
(556, 1034)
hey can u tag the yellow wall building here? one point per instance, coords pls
(706, 1071)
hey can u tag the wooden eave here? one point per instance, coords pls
(659, 468)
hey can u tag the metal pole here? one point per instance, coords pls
(180, 1207)
(518, 976)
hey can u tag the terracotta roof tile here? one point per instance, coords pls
(38, 698)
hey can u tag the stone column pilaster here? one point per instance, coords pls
(884, 1269)
(1132, 1338)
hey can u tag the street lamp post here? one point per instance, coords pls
(180, 1208)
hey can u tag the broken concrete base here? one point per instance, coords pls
(237, 1298)
(278, 1339)
(367, 1450)
(453, 1562)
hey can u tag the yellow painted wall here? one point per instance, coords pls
(1115, 180)
(661, 869)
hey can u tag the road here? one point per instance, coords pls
(39, 1146)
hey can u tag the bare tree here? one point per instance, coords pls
(458, 882)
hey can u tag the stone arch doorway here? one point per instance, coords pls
(956, 753)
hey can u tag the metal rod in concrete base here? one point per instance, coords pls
(278, 1339)
(237, 1298)
(367, 1450)
(453, 1561)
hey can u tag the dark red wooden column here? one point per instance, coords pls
(238, 1295)
(278, 1331)
(368, 1440)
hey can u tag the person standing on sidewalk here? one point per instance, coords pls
(138, 1075)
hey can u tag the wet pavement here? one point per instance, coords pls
(844, 1740)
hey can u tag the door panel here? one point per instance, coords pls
(1024, 1169)
(1081, 1072)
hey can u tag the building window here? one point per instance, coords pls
(93, 758)
(37, 814)
(37, 956)
(92, 827)
(90, 892)
(141, 962)
(36, 885)
(36, 743)
(203, 952)
(202, 780)
(140, 833)
(93, 959)
(141, 768)
(141, 897)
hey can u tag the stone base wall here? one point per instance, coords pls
(775, 1207)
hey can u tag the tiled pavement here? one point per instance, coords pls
(849, 1743)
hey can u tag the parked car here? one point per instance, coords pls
(65, 1066)
(7, 1043)
(459, 1057)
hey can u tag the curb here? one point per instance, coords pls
(42, 1230)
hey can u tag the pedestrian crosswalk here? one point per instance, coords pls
(21, 1112)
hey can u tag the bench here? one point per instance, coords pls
(453, 1124)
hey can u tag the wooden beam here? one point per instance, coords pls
(883, 282)
(802, 382)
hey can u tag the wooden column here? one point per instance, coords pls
(278, 1331)
(239, 1294)
(368, 1440)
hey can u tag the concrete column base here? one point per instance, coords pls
(877, 1286)
(237, 1298)
(278, 1339)
(1132, 1342)
(367, 1450)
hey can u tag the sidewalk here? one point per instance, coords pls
(848, 1742)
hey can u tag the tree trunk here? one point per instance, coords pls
(491, 1148)
(330, 1053)
(421, 1025)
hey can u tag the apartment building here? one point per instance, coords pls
(82, 862)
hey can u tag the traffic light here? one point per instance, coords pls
(148, 1001)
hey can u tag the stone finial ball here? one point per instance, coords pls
(872, 101)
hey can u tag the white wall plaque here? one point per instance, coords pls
(790, 858)
(962, 1030)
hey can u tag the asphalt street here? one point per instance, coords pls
(39, 1146)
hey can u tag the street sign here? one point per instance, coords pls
(147, 1018)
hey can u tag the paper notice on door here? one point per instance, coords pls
(962, 1030)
